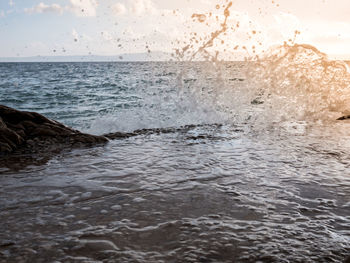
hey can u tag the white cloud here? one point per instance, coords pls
(141, 7)
(83, 8)
(11, 3)
(119, 9)
(44, 8)
(135, 7)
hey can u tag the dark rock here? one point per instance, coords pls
(181, 129)
(2, 124)
(28, 138)
(7, 243)
(5, 148)
(31, 132)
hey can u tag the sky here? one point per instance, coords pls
(114, 27)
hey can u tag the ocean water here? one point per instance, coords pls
(255, 171)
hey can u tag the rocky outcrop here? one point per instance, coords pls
(31, 132)
(181, 129)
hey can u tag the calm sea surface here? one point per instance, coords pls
(230, 188)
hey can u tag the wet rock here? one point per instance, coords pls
(5, 148)
(31, 132)
(2, 124)
(92, 246)
(7, 243)
(181, 129)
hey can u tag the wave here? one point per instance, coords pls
(300, 82)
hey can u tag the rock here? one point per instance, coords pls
(94, 246)
(31, 132)
(5, 148)
(2, 124)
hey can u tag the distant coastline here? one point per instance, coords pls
(156, 56)
(153, 56)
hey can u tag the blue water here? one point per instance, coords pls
(248, 190)
(78, 93)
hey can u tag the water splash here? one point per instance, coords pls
(198, 47)
(287, 82)
(299, 82)
(291, 82)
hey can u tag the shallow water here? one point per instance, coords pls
(235, 192)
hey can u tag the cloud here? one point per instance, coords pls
(11, 3)
(44, 8)
(135, 7)
(83, 8)
(141, 7)
(119, 9)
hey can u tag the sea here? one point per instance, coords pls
(251, 166)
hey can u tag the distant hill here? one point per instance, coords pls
(153, 56)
